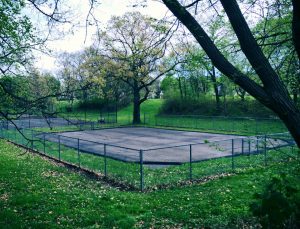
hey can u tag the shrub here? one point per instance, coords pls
(207, 106)
(101, 104)
(279, 205)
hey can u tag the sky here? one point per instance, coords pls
(75, 38)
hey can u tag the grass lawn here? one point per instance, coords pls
(38, 193)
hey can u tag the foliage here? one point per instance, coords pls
(205, 105)
(270, 91)
(16, 35)
(279, 204)
(134, 47)
(24, 89)
(100, 104)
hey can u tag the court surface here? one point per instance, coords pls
(159, 146)
(39, 122)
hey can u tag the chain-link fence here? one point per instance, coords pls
(247, 125)
(160, 166)
(59, 123)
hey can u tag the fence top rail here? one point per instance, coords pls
(98, 143)
(217, 141)
(218, 117)
(163, 147)
(196, 143)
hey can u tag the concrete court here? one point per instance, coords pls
(147, 139)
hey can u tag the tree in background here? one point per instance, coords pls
(136, 45)
(34, 87)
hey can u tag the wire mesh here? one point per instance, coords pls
(160, 166)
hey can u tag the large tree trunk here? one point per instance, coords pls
(296, 25)
(136, 104)
(279, 99)
(295, 97)
(273, 93)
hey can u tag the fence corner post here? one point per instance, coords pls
(141, 171)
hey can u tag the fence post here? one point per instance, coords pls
(78, 152)
(232, 154)
(141, 171)
(243, 146)
(265, 149)
(105, 162)
(44, 143)
(31, 139)
(191, 160)
(59, 147)
(249, 146)
(257, 150)
(15, 135)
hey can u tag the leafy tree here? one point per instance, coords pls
(17, 39)
(30, 88)
(16, 36)
(79, 81)
(271, 91)
(135, 45)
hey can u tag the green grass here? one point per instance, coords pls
(38, 193)
(129, 173)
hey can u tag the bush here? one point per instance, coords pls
(207, 106)
(279, 205)
(101, 104)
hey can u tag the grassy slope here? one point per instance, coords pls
(150, 107)
(38, 193)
